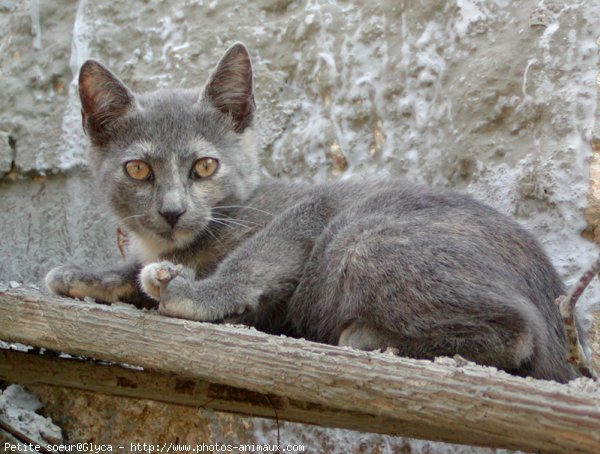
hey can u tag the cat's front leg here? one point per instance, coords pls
(180, 295)
(108, 285)
(264, 270)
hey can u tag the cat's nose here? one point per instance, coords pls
(172, 216)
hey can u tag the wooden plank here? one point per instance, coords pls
(121, 380)
(421, 399)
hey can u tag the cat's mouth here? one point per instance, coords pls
(177, 234)
(176, 238)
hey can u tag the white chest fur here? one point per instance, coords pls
(145, 249)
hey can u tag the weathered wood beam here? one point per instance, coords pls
(371, 391)
(117, 380)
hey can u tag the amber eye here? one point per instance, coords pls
(205, 167)
(138, 170)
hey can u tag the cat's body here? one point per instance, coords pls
(369, 264)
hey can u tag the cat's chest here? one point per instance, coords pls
(144, 250)
(204, 261)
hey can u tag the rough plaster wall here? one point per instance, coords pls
(497, 97)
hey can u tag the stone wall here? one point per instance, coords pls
(493, 96)
(593, 208)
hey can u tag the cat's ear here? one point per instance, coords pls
(229, 87)
(104, 99)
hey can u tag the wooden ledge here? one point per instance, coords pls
(245, 371)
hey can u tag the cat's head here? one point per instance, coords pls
(166, 159)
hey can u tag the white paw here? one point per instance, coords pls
(156, 276)
(66, 280)
(55, 283)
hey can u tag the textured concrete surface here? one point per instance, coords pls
(35, 48)
(49, 220)
(18, 409)
(497, 97)
(594, 339)
(593, 207)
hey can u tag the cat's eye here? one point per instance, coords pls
(205, 167)
(138, 170)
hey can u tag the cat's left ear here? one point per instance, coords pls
(229, 87)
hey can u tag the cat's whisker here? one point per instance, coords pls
(131, 217)
(106, 216)
(215, 237)
(239, 222)
(229, 218)
(231, 224)
(243, 206)
(222, 223)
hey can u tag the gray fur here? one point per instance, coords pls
(369, 264)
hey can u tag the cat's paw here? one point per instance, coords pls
(175, 288)
(66, 280)
(70, 280)
(157, 276)
(180, 299)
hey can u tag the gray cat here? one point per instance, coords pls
(366, 264)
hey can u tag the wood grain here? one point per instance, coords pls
(304, 381)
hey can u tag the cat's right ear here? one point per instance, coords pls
(229, 88)
(104, 99)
